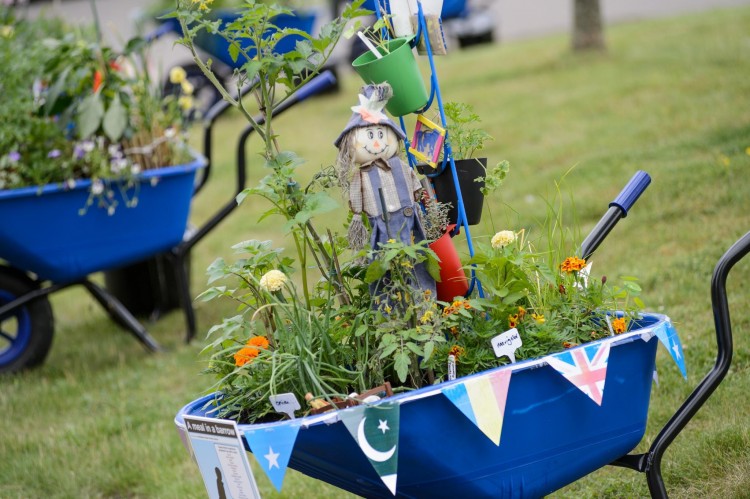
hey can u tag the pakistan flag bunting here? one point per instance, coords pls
(375, 430)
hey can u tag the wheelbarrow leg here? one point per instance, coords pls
(118, 310)
(177, 259)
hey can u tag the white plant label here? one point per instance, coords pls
(286, 403)
(507, 343)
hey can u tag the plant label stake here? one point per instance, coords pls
(369, 45)
(451, 367)
(285, 403)
(507, 343)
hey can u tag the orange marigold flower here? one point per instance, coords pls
(245, 355)
(456, 351)
(572, 264)
(619, 325)
(258, 341)
(568, 344)
(512, 323)
(521, 312)
(454, 331)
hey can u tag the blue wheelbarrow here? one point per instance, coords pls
(46, 245)
(552, 433)
(217, 48)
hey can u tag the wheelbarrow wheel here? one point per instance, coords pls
(26, 332)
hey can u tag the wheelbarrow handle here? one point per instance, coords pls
(618, 209)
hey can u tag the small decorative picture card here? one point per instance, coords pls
(427, 141)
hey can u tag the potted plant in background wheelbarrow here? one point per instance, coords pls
(466, 139)
(94, 171)
(481, 385)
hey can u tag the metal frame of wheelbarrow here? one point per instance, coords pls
(176, 256)
(650, 462)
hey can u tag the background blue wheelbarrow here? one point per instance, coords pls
(218, 48)
(46, 246)
(552, 434)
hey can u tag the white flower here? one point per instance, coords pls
(503, 238)
(97, 187)
(135, 169)
(119, 165)
(273, 280)
(71, 183)
(170, 132)
(88, 145)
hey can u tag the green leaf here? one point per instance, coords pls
(429, 347)
(251, 68)
(216, 270)
(90, 113)
(115, 120)
(375, 271)
(388, 350)
(414, 348)
(212, 293)
(360, 330)
(433, 268)
(401, 364)
(135, 44)
(242, 195)
(234, 51)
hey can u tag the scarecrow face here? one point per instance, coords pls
(373, 142)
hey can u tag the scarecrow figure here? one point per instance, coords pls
(377, 180)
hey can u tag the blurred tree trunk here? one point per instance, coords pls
(588, 33)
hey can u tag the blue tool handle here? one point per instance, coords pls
(630, 194)
(317, 84)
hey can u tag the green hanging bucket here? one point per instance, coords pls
(399, 68)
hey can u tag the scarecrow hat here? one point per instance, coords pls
(372, 100)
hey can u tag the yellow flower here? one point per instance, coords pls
(187, 87)
(391, 241)
(619, 325)
(572, 264)
(6, 31)
(503, 238)
(177, 75)
(747, 150)
(426, 317)
(185, 102)
(539, 318)
(273, 280)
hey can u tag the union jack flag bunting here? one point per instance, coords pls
(585, 367)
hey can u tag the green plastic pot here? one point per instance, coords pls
(399, 68)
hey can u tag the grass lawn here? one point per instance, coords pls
(671, 97)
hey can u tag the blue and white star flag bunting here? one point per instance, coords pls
(585, 367)
(272, 448)
(668, 337)
(375, 430)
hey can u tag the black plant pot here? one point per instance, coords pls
(445, 192)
